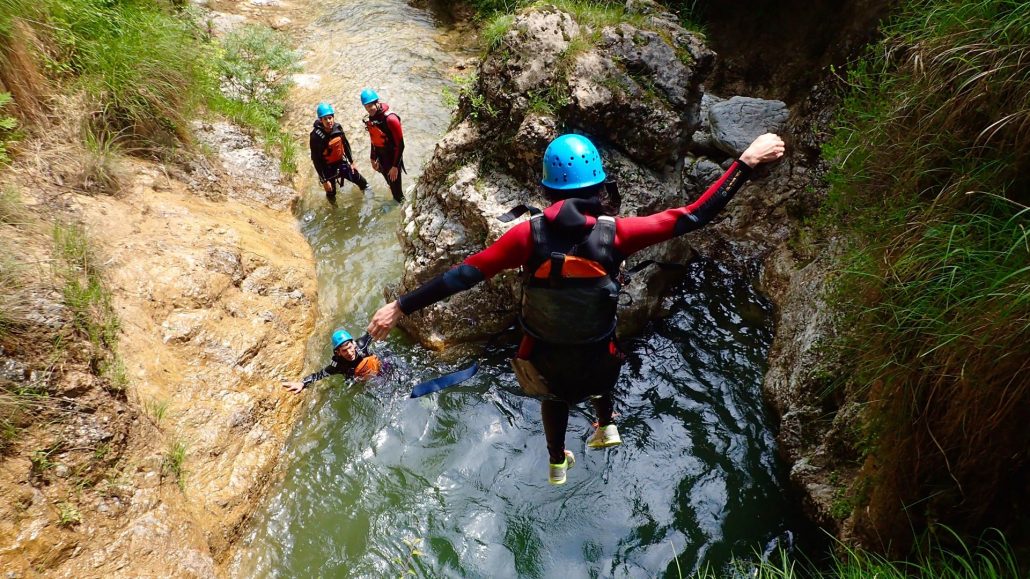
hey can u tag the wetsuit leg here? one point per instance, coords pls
(352, 175)
(358, 180)
(337, 174)
(555, 415)
(603, 408)
(331, 193)
(573, 374)
(395, 186)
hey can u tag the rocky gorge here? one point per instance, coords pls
(637, 88)
(214, 285)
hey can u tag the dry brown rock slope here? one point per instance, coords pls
(214, 289)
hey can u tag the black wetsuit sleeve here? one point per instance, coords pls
(346, 148)
(316, 146)
(636, 233)
(702, 211)
(363, 343)
(441, 287)
(333, 368)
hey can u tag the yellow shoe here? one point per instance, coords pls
(604, 437)
(556, 472)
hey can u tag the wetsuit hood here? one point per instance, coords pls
(574, 215)
(383, 107)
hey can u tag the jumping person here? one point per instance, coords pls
(331, 154)
(384, 129)
(349, 358)
(571, 254)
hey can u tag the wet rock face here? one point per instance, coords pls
(738, 121)
(635, 91)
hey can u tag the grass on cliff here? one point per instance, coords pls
(15, 298)
(147, 67)
(931, 181)
(89, 300)
(991, 557)
(8, 129)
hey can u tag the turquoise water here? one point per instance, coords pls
(454, 484)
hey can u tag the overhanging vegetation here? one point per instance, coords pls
(930, 184)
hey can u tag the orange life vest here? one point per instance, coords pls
(379, 133)
(368, 367)
(333, 152)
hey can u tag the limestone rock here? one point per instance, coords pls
(739, 120)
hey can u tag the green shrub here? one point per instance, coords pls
(255, 67)
(68, 514)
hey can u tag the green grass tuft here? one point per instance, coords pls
(84, 291)
(174, 463)
(144, 65)
(494, 29)
(148, 67)
(8, 129)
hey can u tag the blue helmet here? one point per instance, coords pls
(324, 109)
(340, 337)
(572, 162)
(368, 96)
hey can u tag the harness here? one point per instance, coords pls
(570, 287)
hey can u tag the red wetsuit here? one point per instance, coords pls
(387, 136)
(575, 372)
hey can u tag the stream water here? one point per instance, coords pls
(454, 484)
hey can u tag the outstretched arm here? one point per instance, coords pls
(508, 252)
(636, 233)
(297, 387)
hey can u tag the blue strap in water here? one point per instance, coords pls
(445, 381)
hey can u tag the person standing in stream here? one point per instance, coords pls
(571, 254)
(331, 154)
(387, 151)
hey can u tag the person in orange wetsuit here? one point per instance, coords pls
(331, 154)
